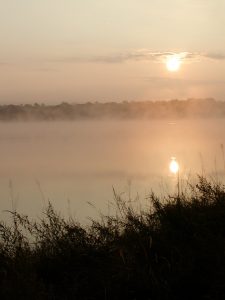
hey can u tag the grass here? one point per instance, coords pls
(175, 250)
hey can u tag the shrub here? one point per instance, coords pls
(175, 250)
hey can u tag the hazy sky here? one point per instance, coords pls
(110, 50)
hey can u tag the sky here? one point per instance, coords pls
(110, 50)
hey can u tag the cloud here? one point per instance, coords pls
(168, 81)
(2, 64)
(46, 69)
(138, 55)
(215, 56)
(147, 55)
(144, 55)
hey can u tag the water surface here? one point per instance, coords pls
(73, 163)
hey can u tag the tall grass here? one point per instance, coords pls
(175, 250)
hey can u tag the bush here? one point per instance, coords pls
(175, 250)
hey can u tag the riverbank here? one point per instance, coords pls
(173, 250)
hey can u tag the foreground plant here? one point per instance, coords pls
(175, 250)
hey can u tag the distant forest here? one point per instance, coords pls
(175, 109)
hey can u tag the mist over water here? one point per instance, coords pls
(72, 163)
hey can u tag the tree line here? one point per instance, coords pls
(190, 108)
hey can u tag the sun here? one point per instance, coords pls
(174, 166)
(173, 63)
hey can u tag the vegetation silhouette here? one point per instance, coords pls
(190, 108)
(172, 250)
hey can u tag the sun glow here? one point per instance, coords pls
(174, 166)
(173, 63)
